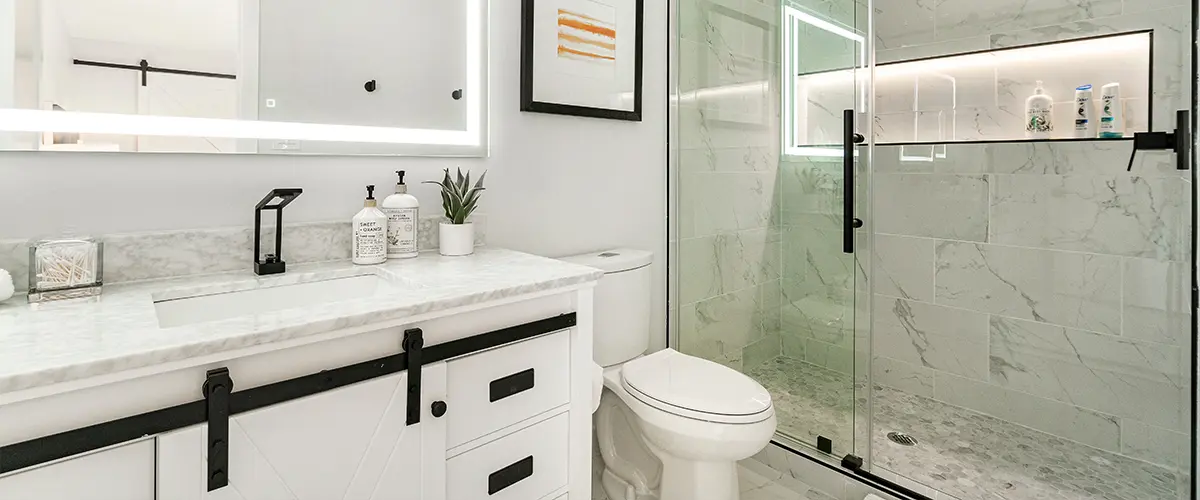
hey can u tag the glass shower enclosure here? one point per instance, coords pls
(862, 223)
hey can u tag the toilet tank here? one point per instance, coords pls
(621, 317)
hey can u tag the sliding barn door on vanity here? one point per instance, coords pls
(350, 443)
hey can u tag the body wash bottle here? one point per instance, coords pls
(1085, 122)
(401, 210)
(1039, 108)
(369, 245)
(1112, 120)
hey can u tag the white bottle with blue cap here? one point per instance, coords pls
(1085, 111)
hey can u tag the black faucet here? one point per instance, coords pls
(272, 263)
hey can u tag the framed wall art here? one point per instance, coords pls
(582, 58)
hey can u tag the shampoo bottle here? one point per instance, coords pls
(369, 244)
(1085, 122)
(401, 209)
(1112, 120)
(1039, 109)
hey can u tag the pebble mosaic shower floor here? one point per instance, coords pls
(959, 452)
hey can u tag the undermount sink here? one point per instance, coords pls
(223, 305)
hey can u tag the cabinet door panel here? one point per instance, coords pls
(350, 443)
(122, 473)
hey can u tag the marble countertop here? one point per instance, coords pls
(63, 342)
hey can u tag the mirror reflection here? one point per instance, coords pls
(405, 66)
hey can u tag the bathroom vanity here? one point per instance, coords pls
(432, 378)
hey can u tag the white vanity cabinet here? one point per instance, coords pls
(124, 472)
(489, 399)
(350, 443)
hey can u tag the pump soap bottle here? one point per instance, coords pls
(1039, 110)
(369, 244)
(401, 209)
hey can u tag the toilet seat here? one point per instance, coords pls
(695, 388)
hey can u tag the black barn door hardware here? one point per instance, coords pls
(1179, 141)
(217, 387)
(849, 222)
(145, 67)
(413, 342)
(66, 444)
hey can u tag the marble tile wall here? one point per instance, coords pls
(728, 235)
(1041, 284)
(155, 255)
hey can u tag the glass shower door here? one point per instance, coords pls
(823, 68)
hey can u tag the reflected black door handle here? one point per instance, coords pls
(849, 222)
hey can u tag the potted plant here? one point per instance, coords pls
(456, 236)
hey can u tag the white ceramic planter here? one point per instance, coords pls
(456, 239)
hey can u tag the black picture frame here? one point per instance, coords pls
(527, 102)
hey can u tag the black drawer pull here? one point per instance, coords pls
(513, 384)
(510, 475)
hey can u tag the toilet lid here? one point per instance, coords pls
(676, 381)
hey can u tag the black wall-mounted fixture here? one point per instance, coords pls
(457, 94)
(1179, 141)
(370, 86)
(272, 263)
(145, 67)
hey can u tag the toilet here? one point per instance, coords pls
(669, 426)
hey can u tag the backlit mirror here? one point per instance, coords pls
(244, 76)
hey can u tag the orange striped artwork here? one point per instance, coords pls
(586, 38)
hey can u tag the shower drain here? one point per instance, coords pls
(901, 438)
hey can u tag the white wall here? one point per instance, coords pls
(556, 185)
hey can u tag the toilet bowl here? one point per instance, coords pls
(673, 427)
(669, 426)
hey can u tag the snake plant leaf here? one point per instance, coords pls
(446, 205)
(459, 197)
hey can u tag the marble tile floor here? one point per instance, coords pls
(755, 482)
(962, 453)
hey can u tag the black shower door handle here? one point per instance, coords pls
(849, 222)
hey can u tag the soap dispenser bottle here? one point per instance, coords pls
(401, 210)
(369, 244)
(1039, 108)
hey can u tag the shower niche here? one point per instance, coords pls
(981, 96)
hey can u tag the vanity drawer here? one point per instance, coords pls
(495, 389)
(527, 464)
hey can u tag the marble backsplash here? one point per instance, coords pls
(168, 254)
